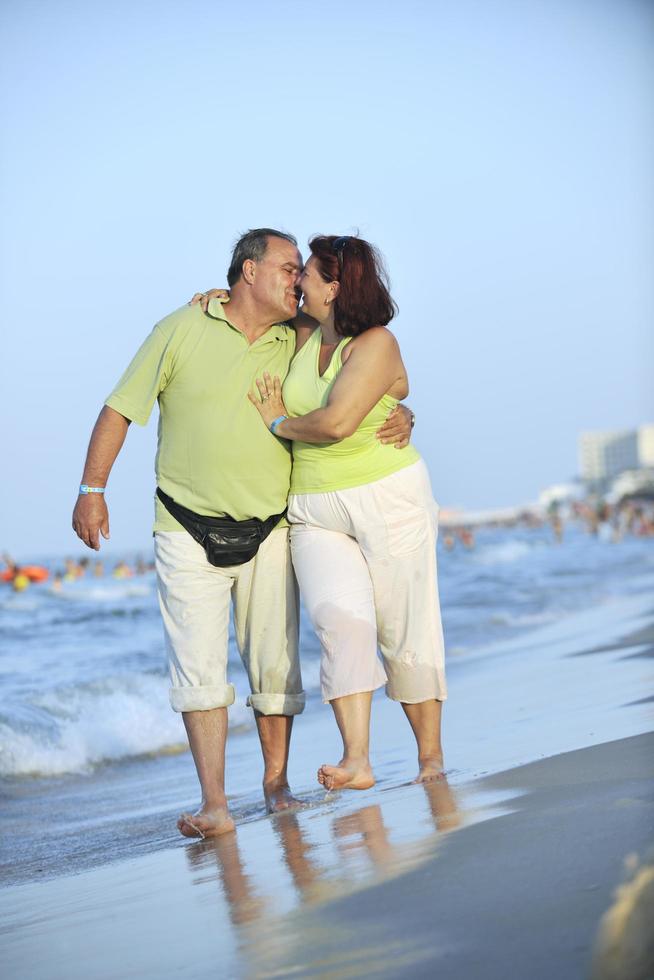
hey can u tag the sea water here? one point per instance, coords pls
(87, 733)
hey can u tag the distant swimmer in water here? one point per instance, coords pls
(467, 538)
(71, 573)
(20, 576)
(20, 582)
(556, 523)
(9, 573)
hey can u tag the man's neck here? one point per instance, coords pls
(250, 320)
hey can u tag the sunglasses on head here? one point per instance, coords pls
(338, 245)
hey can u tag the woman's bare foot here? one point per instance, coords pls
(278, 797)
(207, 822)
(346, 775)
(431, 769)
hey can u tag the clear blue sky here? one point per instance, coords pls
(499, 153)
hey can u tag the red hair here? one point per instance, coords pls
(363, 300)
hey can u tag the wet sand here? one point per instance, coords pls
(510, 880)
(520, 895)
(503, 870)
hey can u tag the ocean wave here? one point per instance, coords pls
(45, 607)
(102, 593)
(524, 619)
(20, 604)
(75, 729)
(507, 551)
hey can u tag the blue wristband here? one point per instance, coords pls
(275, 422)
(86, 489)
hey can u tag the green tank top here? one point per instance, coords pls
(358, 459)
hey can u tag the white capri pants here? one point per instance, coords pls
(365, 559)
(195, 598)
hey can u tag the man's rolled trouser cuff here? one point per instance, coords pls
(277, 704)
(201, 698)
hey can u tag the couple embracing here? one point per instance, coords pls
(257, 399)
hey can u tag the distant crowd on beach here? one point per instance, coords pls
(611, 522)
(20, 577)
(629, 518)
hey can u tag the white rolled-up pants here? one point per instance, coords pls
(195, 599)
(365, 559)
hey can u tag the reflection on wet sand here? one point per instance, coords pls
(296, 848)
(364, 831)
(443, 805)
(243, 903)
(324, 857)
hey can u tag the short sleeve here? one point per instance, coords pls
(145, 378)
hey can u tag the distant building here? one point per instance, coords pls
(646, 445)
(603, 455)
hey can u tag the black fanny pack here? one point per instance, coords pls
(225, 541)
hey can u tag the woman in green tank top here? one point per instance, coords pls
(363, 521)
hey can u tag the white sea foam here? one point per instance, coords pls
(507, 551)
(113, 719)
(19, 603)
(102, 593)
(524, 619)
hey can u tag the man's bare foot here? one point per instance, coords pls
(430, 770)
(346, 775)
(278, 797)
(207, 822)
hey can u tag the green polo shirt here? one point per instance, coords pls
(214, 455)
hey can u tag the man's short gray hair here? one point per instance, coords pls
(252, 245)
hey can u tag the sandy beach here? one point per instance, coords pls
(505, 868)
(514, 885)
(518, 895)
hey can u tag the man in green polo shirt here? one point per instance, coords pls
(214, 457)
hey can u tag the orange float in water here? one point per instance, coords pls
(35, 573)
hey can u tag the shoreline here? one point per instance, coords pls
(512, 880)
(505, 868)
(583, 680)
